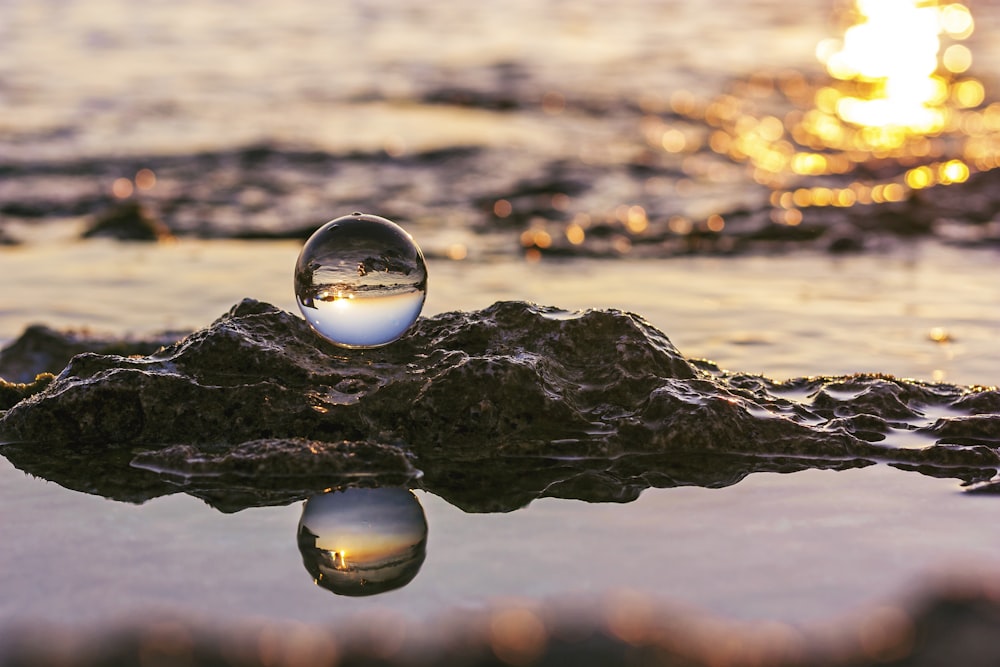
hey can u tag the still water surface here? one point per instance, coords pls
(798, 548)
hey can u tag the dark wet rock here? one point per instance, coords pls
(41, 349)
(230, 478)
(275, 471)
(12, 393)
(98, 470)
(277, 458)
(978, 402)
(504, 484)
(495, 407)
(885, 396)
(128, 221)
(268, 375)
(965, 429)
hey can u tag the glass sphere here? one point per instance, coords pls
(363, 541)
(360, 281)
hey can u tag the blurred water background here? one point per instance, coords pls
(527, 146)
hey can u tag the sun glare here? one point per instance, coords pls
(895, 113)
(891, 54)
(895, 110)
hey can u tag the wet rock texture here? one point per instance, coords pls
(489, 409)
(41, 349)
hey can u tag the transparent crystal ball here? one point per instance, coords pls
(360, 281)
(363, 541)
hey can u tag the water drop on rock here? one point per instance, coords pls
(363, 541)
(360, 281)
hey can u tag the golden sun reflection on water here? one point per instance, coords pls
(891, 52)
(898, 114)
(894, 111)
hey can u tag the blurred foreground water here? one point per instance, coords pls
(530, 149)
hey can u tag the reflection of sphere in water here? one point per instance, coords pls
(363, 541)
(360, 281)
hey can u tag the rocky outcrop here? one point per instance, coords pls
(494, 408)
(42, 349)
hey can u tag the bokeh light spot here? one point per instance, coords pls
(145, 179)
(122, 188)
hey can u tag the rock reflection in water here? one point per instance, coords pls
(363, 541)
